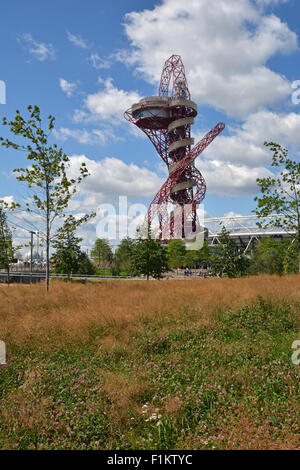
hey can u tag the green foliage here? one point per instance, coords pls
(68, 257)
(290, 259)
(268, 256)
(148, 256)
(7, 250)
(228, 260)
(274, 256)
(196, 258)
(176, 253)
(281, 193)
(104, 271)
(47, 176)
(85, 266)
(205, 254)
(101, 253)
(123, 257)
(191, 259)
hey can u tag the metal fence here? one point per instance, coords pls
(25, 277)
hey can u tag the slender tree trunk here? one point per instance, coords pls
(299, 251)
(47, 239)
(47, 257)
(8, 275)
(31, 254)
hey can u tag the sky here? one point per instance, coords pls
(87, 62)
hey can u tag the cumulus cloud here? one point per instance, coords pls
(67, 87)
(225, 50)
(237, 149)
(112, 177)
(41, 51)
(267, 125)
(245, 142)
(108, 104)
(228, 180)
(83, 136)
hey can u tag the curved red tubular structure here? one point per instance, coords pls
(173, 68)
(166, 119)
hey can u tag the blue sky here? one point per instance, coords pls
(86, 62)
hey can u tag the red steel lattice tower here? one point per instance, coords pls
(166, 119)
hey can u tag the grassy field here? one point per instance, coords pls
(196, 364)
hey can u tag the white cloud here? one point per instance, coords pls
(112, 177)
(107, 104)
(237, 149)
(67, 87)
(267, 125)
(225, 50)
(41, 51)
(95, 136)
(228, 180)
(245, 144)
(77, 40)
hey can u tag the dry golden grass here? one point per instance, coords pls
(72, 311)
(247, 433)
(26, 410)
(106, 361)
(123, 392)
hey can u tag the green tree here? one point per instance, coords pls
(101, 253)
(176, 252)
(68, 257)
(7, 252)
(290, 259)
(123, 257)
(204, 254)
(191, 258)
(281, 193)
(85, 266)
(267, 257)
(148, 256)
(228, 259)
(47, 175)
